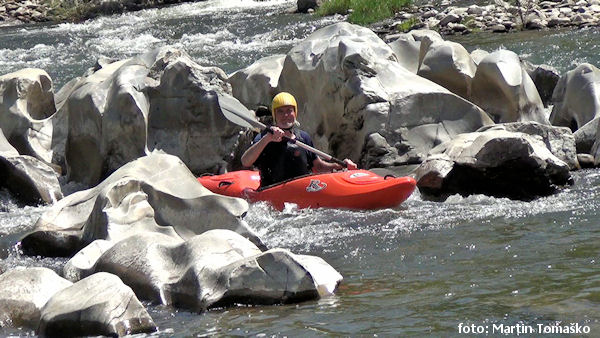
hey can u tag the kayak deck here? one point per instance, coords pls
(352, 189)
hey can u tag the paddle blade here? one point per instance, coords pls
(237, 113)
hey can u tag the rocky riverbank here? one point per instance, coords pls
(24, 11)
(499, 16)
(17, 12)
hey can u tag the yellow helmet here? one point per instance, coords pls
(283, 99)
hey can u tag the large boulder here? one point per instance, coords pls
(256, 84)
(449, 65)
(24, 292)
(30, 180)
(27, 114)
(27, 178)
(407, 51)
(348, 86)
(585, 136)
(496, 163)
(545, 79)
(98, 305)
(426, 37)
(155, 193)
(6, 149)
(576, 97)
(505, 91)
(161, 100)
(216, 268)
(559, 140)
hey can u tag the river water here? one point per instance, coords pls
(422, 268)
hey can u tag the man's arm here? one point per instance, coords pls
(251, 154)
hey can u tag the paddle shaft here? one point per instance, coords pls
(313, 150)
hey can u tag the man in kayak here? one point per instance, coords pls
(275, 157)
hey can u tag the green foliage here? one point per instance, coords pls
(363, 12)
(331, 7)
(405, 26)
(66, 10)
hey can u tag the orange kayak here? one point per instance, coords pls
(352, 189)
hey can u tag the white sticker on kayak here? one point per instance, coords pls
(355, 175)
(316, 185)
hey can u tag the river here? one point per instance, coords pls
(475, 263)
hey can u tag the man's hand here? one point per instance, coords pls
(277, 134)
(350, 165)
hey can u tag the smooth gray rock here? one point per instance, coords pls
(504, 90)
(216, 268)
(23, 293)
(27, 114)
(576, 99)
(407, 51)
(97, 305)
(154, 193)
(495, 163)
(160, 100)
(30, 180)
(545, 78)
(6, 149)
(449, 65)
(585, 136)
(559, 140)
(256, 84)
(349, 86)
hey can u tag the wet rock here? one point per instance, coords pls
(23, 293)
(6, 149)
(505, 91)
(576, 100)
(449, 65)
(545, 78)
(27, 114)
(216, 268)
(161, 100)
(478, 54)
(361, 89)
(98, 305)
(585, 137)
(407, 51)
(495, 163)
(29, 179)
(154, 193)
(586, 161)
(256, 84)
(559, 140)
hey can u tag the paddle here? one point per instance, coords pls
(237, 113)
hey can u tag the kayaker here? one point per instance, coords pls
(279, 160)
